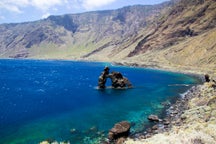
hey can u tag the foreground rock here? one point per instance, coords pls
(120, 130)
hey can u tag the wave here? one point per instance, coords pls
(179, 85)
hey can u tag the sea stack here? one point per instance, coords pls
(103, 77)
(118, 80)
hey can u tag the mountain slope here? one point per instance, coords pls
(178, 33)
(76, 35)
(184, 37)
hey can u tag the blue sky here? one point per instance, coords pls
(13, 11)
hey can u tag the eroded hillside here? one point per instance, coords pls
(74, 36)
(184, 38)
(178, 33)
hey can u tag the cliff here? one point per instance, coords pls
(75, 36)
(184, 38)
(179, 34)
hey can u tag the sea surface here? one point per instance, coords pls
(59, 100)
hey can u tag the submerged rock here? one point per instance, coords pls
(73, 130)
(121, 129)
(153, 118)
(53, 142)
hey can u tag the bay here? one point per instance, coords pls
(59, 100)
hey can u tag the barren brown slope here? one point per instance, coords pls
(73, 36)
(184, 37)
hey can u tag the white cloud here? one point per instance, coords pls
(91, 4)
(10, 6)
(46, 4)
(2, 17)
(18, 5)
(46, 15)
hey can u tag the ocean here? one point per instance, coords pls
(59, 100)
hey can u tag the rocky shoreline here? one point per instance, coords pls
(192, 119)
(196, 71)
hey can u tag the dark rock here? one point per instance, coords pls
(207, 78)
(183, 117)
(121, 129)
(148, 136)
(20, 55)
(155, 127)
(166, 122)
(178, 122)
(149, 130)
(118, 81)
(102, 78)
(174, 112)
(153, 118)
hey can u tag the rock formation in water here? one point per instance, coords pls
(210, 81)
(153, 118)
(118, 81)
(103, 77)
(207, 78)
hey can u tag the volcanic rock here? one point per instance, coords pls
(118, 81)
(153, 118)
(121, 129)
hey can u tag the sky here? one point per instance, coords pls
(16, 11)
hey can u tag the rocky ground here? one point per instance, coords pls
(192, 120)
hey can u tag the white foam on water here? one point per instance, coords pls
(184, 94)
(179, 85)
(41, 90)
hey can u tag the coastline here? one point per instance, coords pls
(195, 122)
(177, 69)
(192, 119)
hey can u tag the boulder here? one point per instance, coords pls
(212, 101)
(166, 122)
(153, 118)
(207, 78)
(121, 129)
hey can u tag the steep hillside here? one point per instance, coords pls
(77, 35)
(177, 34)
(184, 38)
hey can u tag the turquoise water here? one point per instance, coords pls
(58, 100)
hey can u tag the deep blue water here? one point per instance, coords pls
(42, 100)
